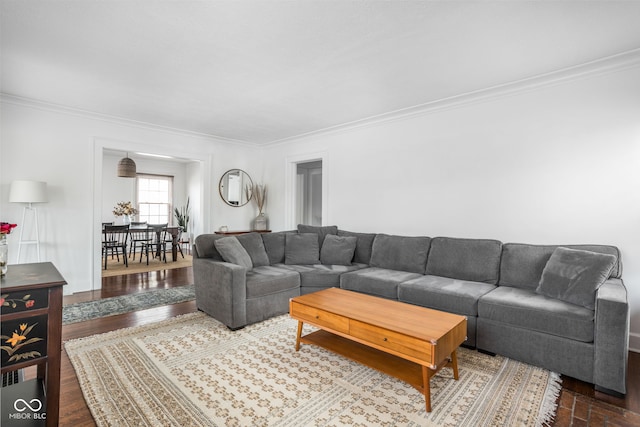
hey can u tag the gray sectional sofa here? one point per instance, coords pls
(561, 307)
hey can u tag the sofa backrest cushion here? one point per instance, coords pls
(205, 247)
(252, 242)
(274, 245)
(400, 253)
(521, 265)
(301, 249)
(338, 250)
(574, 276)
(320, 231)
(364, 245)
(475, 260)
(232, 251)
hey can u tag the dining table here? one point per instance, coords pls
(174, 231)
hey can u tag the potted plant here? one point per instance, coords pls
(182, 217)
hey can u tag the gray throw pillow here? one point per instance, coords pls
(252, 242)
(363, 246)
(338, 250)
(301, 249)
(274, 245)
(574, 276)
(321, 231)
(232, 251)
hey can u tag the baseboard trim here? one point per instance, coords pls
(634, 342)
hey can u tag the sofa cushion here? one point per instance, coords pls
(476, 260)
(574, 276)
(320, 231)
(364, 245)
(338, 250)
(232, 251)
(526, 309)
(400, 253)
(522, 264)
(252, 242)
(206, 248)
(376, 281)
(274, 245)
(322, 276)
(301, 248)
(443, 293)
(270, 279)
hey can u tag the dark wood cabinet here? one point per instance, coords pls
(31, 324)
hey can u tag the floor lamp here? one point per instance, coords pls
(28, 192)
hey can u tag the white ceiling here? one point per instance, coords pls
(263, 71)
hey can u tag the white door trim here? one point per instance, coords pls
(291, 184)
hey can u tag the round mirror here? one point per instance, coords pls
(236, 187)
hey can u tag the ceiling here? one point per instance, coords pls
(260, 71)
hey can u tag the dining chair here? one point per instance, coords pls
(139, 233)
(115, 241)
(186, 241)
(157, 243)
(169, 239)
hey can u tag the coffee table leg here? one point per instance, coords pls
(454, 364)
(426, 376)
(298, 335)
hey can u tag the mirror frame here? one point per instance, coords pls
(221, 186)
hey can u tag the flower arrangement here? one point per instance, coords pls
(5, 227)
(124, 208)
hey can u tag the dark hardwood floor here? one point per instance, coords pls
(578, 404)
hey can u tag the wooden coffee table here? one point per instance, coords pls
(405, 341)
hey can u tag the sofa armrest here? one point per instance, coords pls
(611, 337)
(221, 291)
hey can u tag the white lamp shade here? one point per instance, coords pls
(28, 192)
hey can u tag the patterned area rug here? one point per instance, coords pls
(115, 268)
(191, 370)
(82, 311)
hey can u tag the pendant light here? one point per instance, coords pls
(127, 168)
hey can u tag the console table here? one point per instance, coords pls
(236, 233)
(31, 323)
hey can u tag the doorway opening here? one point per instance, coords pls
(309, 193)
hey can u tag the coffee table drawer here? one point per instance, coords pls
(391, 340)
(319, 317)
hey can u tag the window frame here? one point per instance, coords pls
(169, 204)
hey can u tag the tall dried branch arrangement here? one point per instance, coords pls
(260, 195)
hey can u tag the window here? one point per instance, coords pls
(154, 198)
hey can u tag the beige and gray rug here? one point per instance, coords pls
(117, 268)
(192, 371)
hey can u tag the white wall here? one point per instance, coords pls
(64, 148)
(559, 164)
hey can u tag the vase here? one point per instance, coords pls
(4, 254)
(126, 220)
(260, 223)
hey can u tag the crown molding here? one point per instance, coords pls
(606, 65)
(78, 112)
